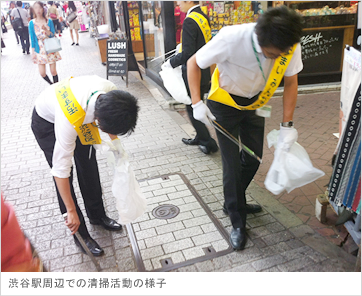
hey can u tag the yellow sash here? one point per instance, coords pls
(220, 95)
(203, 24)
(87, 133)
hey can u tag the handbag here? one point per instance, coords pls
(53, 16)
(52, 45)
(17, 23)
(71, 17)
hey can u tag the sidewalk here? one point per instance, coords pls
(169, 173)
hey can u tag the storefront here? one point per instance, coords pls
(328, 27)
(155, 31)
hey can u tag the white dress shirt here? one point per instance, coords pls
(48, 108)
(231, 49)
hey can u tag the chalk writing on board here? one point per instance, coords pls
(117, 57)
(316, 45)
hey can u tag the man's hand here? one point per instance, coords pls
(166, 65)
(287, 137)
(119, 149)
(72, 221)
(202, 113)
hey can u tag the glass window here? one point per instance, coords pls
(153, 34)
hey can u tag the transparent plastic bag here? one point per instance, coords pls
(290, 169)
(130, 202)
(175, 85)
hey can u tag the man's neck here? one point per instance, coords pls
(192, 7)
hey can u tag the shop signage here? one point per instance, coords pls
(322, 50)
(117, 58)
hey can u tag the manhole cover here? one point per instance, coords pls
(178, 228)
(166, 212)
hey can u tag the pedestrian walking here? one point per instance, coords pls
(23, 33)
(53, 14)
(246, 55)
(3, 20)
(194, 36)
(87, 100)
(12, 6)
(74, 25)
(40, 29)
(17, 252)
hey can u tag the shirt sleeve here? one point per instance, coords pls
(64, 147)
(213, 52)
(296, 64)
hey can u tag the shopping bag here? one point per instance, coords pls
(52, 45)
(175, 85)
(130, 202)
(290, 169)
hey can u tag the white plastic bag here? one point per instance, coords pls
(290, 169)
(175, 85)
(130, 202)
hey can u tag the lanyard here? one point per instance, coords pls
(257, 57)
(93, 93)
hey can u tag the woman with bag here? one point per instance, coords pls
(53, 14)
(73, 22)
(41, 29)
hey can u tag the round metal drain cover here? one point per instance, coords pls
(165, 212)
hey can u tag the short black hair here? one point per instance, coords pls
(117, 112)
(19, 3)
(280, 27)
(50, 2)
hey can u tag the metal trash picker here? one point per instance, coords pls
(81, 241)
(222, 130)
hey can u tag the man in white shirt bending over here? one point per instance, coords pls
(251, 60)
(65, 123)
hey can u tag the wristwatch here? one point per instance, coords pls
(287, 124)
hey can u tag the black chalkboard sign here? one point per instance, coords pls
(117, 58)
(322, 51)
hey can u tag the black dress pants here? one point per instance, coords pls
(24, 38)
(239, 167)
(87, 172)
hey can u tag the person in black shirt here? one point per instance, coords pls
(192, 40)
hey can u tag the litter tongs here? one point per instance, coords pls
(219, 128)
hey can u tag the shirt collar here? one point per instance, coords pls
(257, 46)
(192, 8)
(89, 116)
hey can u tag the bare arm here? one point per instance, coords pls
(212, 69)
(290, 97)
(64, 191)
(194, 79)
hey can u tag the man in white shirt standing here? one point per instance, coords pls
(20, 12)
(62, 135)
(251, 59)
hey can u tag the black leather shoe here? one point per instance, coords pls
(208, 150)
(238, 238)
(250, 209)
(92, 245)
(190, 141)
(107, 223)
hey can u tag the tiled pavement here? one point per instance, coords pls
(279, 240)
(316, 119)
